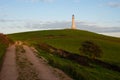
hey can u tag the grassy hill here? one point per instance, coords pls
(70, 40)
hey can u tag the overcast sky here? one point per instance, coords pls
(20, 15)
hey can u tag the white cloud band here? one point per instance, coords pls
(114, 4)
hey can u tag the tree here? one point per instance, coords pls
(91, 49)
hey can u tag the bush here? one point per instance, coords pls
(91, 49)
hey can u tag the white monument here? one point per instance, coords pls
(73, 22)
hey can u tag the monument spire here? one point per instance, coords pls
(73, 22)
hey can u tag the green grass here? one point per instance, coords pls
(4, 41)
(2, 51)
(77, 71)
(71, 40)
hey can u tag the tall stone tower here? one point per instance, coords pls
(73, 22)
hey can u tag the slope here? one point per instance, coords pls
(71, 40)
(4, 42)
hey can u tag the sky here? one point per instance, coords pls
(25, 15)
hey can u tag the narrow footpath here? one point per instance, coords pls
(9, 70)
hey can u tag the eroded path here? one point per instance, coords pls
(25, 68)
(21, 63)
(44, 72)
(9, 70)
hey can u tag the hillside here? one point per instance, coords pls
(70, 40)
(4, 42)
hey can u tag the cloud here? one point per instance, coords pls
(67, 24)
(9, 20)
(24, 25)
(114, 4)
(38, 0)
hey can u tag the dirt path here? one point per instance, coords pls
(25, 68)
(9, 70)
(44, 71)
(21, 63)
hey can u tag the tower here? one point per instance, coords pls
(73, 22)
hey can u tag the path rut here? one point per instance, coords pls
(9, 70)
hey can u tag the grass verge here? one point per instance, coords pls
(78, 72)
(2, 51)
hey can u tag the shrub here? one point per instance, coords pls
(91, 49)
